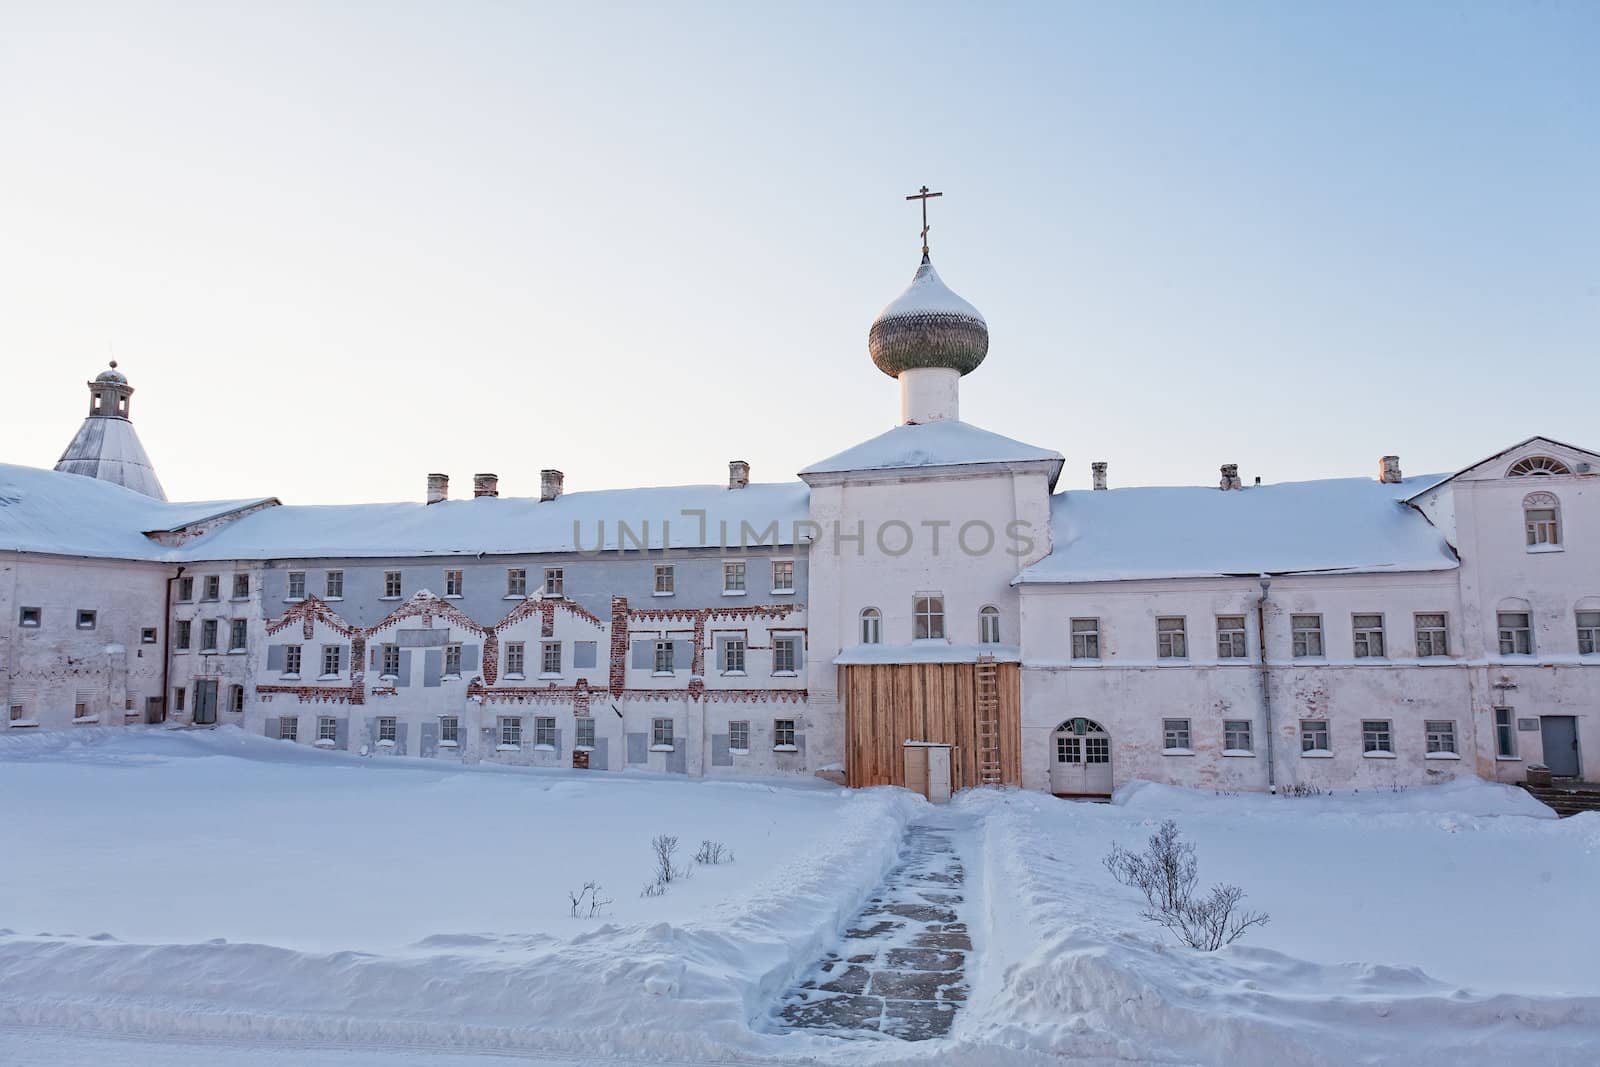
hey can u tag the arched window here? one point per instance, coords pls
(927, 617)
(989, 626)
(1537, 465)
(871, 626)
(1541, 520)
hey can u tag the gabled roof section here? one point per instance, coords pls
(947, 443)
(1501, 457)
(67, 514)
(1333, 526)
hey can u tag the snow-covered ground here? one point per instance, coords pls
(176, 898)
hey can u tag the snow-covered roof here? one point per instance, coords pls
(107, 448)
(594, 521)
(1339, 525)
(56, 512)
(927, 295)
(947, 443)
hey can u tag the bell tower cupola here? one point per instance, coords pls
(106, 446)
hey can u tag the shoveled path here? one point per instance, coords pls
(901, 969)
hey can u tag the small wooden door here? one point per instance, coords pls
(205, 702)
(155, 710)
(1080, 759)
(938, 774)
(1560, 736)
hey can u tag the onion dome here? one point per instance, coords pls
(928, 326)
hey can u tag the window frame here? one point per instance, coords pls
(1505, 733)
(739, 736)
(782, 577)
(555, 583)
(186, 588)
(1433, 641)
(337, 652)
(241, 587)
(1172, 642)
(1541, 523)
(30, 618)
(1313, 730)
(291, 652)
(516, 659)
(664, 648)
(729, 645)
(1236, 638)
(211, 588)
(389, 661)
(1301, 636)
(517, 583)
(183, 635)
(293, 581)
(1083, 639)
(238, 635)
(668, 586)
(544, 733)
(452, 660)
(550, 659)
(333, 585)
(327, 728)
(450, 730)
(455, 583)
(1377, 737)
(1513, 634)
(1177, 737)
(785, 655)
(1236, 730)
(988, 625)
(289, 728)
(1437, 733)
(88, 619)
(1588, 631)
(509, 733)
(393, 585)
(927, 616)
(871, 626)
(583, 733)
(209, 635)
(735, 577)
(1361, 637)
(783, 736)
(656, 734)
(388, 730)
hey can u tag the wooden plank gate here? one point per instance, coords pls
(975, 708)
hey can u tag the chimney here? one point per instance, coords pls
(438, 488)
(1099, 469)
(738, 474)
(1389, 470)
(1230, 477)
(549, 485)
(485, 485)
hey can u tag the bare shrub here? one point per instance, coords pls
(1166, 872)
(587, 902)
(653, 889)
(713, 853)
(665, 847)
(1303, 789)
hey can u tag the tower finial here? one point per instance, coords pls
(923, 195)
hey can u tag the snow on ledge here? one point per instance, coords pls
(926, 652)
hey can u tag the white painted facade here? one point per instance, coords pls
(934, 511)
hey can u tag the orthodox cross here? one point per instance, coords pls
(923, 195)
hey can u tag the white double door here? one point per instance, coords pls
(1080, 760)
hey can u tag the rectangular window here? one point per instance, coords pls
(1236, 736)
(291, 660)
(238, 634)
(327, 728)
(663, 657)
(453, 583)
(391, 661)
(1368, 631)
(552, 658)
(783, 733)
(544, 731)
(288, 728)
(739, 736)
(85, 702)
(733, 655)
(583, 736)
(733, 577)
(147, 636)
(297, 586)
(1230, 637)
(1307, 632)
(1588, 633)
(236, 699)
(452, 659)
(178, 697)
(241, 587)
(208, 635)
(332, 657)
(1175, 735)
(1542, 526)
(386, 729)
(515, 652)
(1505, 733)
(1441, 736)
(1314, 735)
(213, 587)
(449, 730)
(1516, 633)
(517, 581)
(19, 712)
(665, 579)
(391, 585)
(783, 576)
(927, 611)
(1375, 736)
(86, 619)
(1171, 641)
(785, 654)
(182, 637)
(555, 582)
(1432, 635)
(510, 732)
(661, 733)
(333, 585)
(30, 617)
(186, 588)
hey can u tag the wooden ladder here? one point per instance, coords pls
(988, 722)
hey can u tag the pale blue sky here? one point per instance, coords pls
(338, 246)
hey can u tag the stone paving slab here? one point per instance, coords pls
(900, 971)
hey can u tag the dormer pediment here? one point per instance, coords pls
(1535, 458)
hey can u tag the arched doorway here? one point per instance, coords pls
(1080, 759)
